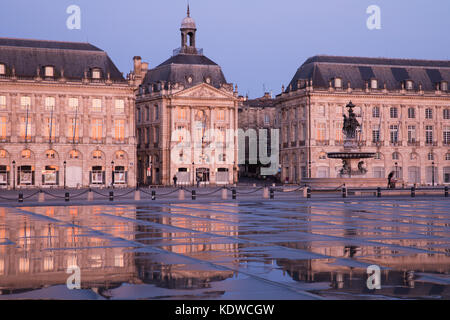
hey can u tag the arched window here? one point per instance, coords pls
(25, 154)
(120, 155)
(3, 154)
(395, 156)
(74, 154)
(97, 154)
(322, 156)
(50, 154)
(431, 156)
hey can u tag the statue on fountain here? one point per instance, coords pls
(351, 124)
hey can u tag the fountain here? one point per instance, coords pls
(353, 172)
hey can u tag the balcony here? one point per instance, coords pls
(302, 143)
(5, 139)
(377, 143)
(293, 143)
(97, 140)
(413, 143)
(446, 143)
(395, 143)
(431, 143)
(285, 145)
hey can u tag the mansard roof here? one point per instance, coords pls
(357, 70)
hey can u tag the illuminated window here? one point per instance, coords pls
(97, 105)
(96, 73)
(2, 102)
(25, 102)
(120, 106)
(120, 155)
(25, 128)
(73, 104)
(97, 129)
(3, 154)
(119, 129)
(321, 132)
(182, 114)
(338, 83)
(96, 155)
(50, 103)
(221, 115)
(74, 154)
(50, 125)
(50, 154)
(409, 85)
(374, 84)
(73, 130)
(322, 156)
(49, 71)
(444, 86)
(3, 126)
(25, 154)
(2, 69)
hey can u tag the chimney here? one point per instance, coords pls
(137, 65)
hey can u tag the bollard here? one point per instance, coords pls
(378, 192)
(272, 193)
(308, 193)
(344, 192)
(446, 191)
(233, 193)
(224, 194)
(194, 195)
(181, 194)
(67, 197)
(20, 196)
(266, 193)
(111, 196)
(413, 192)
(137, 195)
(41, 196)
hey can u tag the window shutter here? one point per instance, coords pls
(57, 178)
(43, 179)
(103, 177)
(7, 178)
(32, 178)
(90, 177)
(112, 178)
(126, 177)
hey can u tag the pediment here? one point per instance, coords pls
(204, 91)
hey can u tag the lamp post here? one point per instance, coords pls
(432, 173)
(14, 174)
(396, 170)
(65, 163)
(193, 174)
(112, 174)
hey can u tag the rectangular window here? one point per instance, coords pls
(49, 72)
(339, 136)
(25, 128)
(3, 125)
(321, 132)
(156, 135)
(376, 135)
(96, 74)
(147, 113)
(446, 135)
(429, 134)
(182, 114)
(446, 114)
(97, 105)
(73, 130)
(221, 115)
(119, 130)
(411, 113)
(376, 112)
(394, 112)
(120, 106)
(2, 69)
(374, 84)
(394, 133)
(411, 134)
(266, 119)
(25, 102)
(50, 104)
(97, 129)
(321, 110)
(156, 113)
(138, 115)
(50, 124)
(429, 113)
(73, 104)
(378, 172)
(2, 102)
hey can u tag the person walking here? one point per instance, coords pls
(390, 176)
(175, 180)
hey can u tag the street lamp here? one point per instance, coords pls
(193, 174)
(14, 174)
(396, 170)
(112, 174)
(432, 173)
(64, 173)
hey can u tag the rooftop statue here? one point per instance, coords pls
(351, 124)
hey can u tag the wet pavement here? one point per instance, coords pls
(228, 250)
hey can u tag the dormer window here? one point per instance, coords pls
(444, 86)
(190, 79)
(96, 74)
(374, 84)
(338, 83)
(2, 69)
(49, 71)
(409, 85)
(208, 80)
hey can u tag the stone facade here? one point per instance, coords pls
(254, 115)
(403, 106)
(186, 116)
(66, 117)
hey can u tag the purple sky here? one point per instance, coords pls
(258, 43)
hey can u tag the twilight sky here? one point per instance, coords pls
(258, 43)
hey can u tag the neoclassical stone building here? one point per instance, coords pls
(186, 117)
(403, 106)
(66, 116)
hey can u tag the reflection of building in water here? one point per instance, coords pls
(42, 250)
(403, 265)
(177, 238)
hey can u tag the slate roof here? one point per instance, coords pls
(358, 70)
(265, 101)
(178, 68)
(26, 55)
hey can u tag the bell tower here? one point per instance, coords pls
(188, 30)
